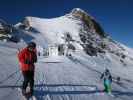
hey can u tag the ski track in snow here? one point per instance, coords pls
(64, 78)
(74, 78)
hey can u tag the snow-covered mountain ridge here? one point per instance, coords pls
(75, 77)
(85, 31)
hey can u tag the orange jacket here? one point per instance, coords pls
(27, 59)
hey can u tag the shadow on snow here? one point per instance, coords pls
(41, 92)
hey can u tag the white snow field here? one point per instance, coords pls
(75, 77)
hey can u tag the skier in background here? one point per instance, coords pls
(107, 78)
(27, 57)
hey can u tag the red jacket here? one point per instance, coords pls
(25, 55)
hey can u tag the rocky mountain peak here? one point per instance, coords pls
(89, 21)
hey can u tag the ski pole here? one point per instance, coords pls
(8, 77)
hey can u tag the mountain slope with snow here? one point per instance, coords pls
(75, 77)
(85, 32)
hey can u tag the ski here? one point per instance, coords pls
(110, 94)
(26, 97)
(34, 98)
(104, 93)
(23, 97)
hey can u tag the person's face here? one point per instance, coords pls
(30, 49)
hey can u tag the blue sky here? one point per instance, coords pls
(115, 16)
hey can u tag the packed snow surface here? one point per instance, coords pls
(65, 78)
(75, 77)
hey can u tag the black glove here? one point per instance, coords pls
(27, 61)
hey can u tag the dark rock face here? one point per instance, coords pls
(5, 30)
(94, 39)
(89, 21)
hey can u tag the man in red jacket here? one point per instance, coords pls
(27, 57)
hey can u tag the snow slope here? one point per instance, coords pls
(52, 31)
(75, 77)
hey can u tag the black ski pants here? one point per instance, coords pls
(28, 79)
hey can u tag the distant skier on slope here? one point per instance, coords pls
(27, 57)
(107, 78)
